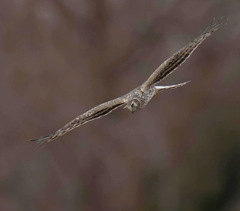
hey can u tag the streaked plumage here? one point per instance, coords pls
(140, 96)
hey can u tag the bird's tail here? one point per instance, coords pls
(160, 88)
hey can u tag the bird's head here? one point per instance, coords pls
(133, 105)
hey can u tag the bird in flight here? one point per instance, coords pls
(139, 97)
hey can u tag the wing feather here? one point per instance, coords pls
(178, 58)
(94, 113)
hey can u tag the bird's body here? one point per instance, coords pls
(143, 97)
(139, 97)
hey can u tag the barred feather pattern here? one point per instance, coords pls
(179, 58)
(94, 113)
(139, 97)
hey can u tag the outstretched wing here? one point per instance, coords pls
(94, 113)
(178, 58)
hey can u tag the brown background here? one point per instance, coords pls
(60, 58)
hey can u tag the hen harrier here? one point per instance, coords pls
(139, 97)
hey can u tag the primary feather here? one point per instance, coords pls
(140, 96)
(178, 58)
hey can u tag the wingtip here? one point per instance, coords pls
(41, 140)
(216, 23)
(35, 140)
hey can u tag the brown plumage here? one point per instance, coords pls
(140, 96)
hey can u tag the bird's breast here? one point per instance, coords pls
(146, 97)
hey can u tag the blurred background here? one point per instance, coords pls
(61, 58)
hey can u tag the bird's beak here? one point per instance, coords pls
(132, 111)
